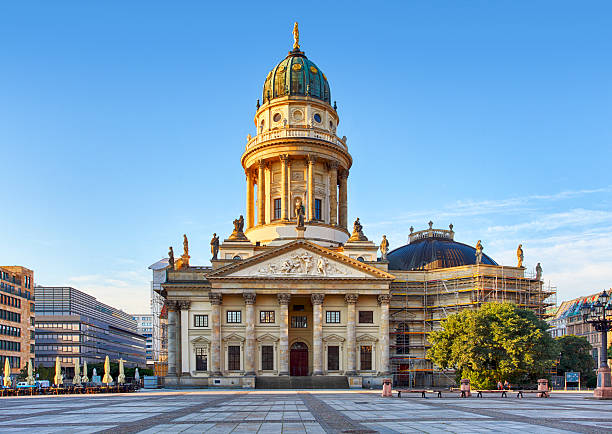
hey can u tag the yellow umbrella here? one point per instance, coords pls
(7, 373)
(30, 380)
(85, 378)
(59, 378)
(76, 381)
(121, 377)
(107, 377)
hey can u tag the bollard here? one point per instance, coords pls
(386, 392)
(542, 388)
(465, 388)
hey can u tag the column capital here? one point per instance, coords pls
(351, 298)
(183, 304)
(262, 164)
(311, 159)
(333, 165)
(284, 158)
(384, 298)
(172, 305)
(284, 298)
(317, 298)
(249, 297)
(215, 298)
(343, 173)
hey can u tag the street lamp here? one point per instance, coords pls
(600, 315)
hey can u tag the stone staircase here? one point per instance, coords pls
(306, 382)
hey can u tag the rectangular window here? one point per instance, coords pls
(366, 317)
(317, 209)
(233, 358)
(298, 308)
(277, 209)
(299, 322)
(201, 360)
(332, 317)
(200, 320)
(234, 316)
(266, 316)
(267, 357)
(333, 358)
(366, 358)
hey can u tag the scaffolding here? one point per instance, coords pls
(420, 300)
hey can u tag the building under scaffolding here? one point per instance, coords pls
(436, 277)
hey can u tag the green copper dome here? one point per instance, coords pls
(296, 75)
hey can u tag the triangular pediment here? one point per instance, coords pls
(333, 338)
(233, 337)
(267, 338)
(200, 340)
(366, 338)
(300, 259)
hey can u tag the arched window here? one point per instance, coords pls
(402, 339)
(237, 257)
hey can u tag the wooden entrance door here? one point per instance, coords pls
(298, 360)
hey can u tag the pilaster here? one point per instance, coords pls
(351, 356)
(283, 300)
(384, 300)
(317, 333)
(249, 356)
(215, 353)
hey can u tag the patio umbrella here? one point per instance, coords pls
(59, 378)
(121, 377)
(76, 381)
(136, 375)
(7, 373)
(107, 379)
(85, 378)
(30, 379)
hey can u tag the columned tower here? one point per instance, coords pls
(296, 160)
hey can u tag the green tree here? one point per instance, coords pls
(575, 355)
(496, 342)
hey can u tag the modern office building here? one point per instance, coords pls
(16, 316)
(145, 328)
(74, 325)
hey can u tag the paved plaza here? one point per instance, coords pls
(300, 411)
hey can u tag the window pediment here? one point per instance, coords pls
(366, 338)
(333, 338)
(267, 338)
(233, 337)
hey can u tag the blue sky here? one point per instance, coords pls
(122, 124)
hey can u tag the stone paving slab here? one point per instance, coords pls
(272, 412)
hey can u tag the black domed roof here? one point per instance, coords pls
(432, 249)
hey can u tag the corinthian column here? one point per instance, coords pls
(184, 306)
(261, 197)
(351, 300)
(311, 208)
(171, 338)
(283, 300)
(383, 300)
(317, 333)
(343, 204)
(284, 160)
(215, 320)
(333, 193)
(249, 201)
(249, 354)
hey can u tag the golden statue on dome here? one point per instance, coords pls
(296, 37)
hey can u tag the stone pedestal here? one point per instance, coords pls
(604, 384)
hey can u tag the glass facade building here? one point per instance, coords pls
(74, 325)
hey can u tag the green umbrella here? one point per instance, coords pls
(107, 377)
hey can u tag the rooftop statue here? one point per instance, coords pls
(478, 252)
(299, 212)
(296, 37)
(238, 233)
(171, 258)
(214, 246)
(538, 272)
(185, 245)
(384, 248)
(357, 234)
(519, 255)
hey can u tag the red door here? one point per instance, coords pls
(298, 359)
